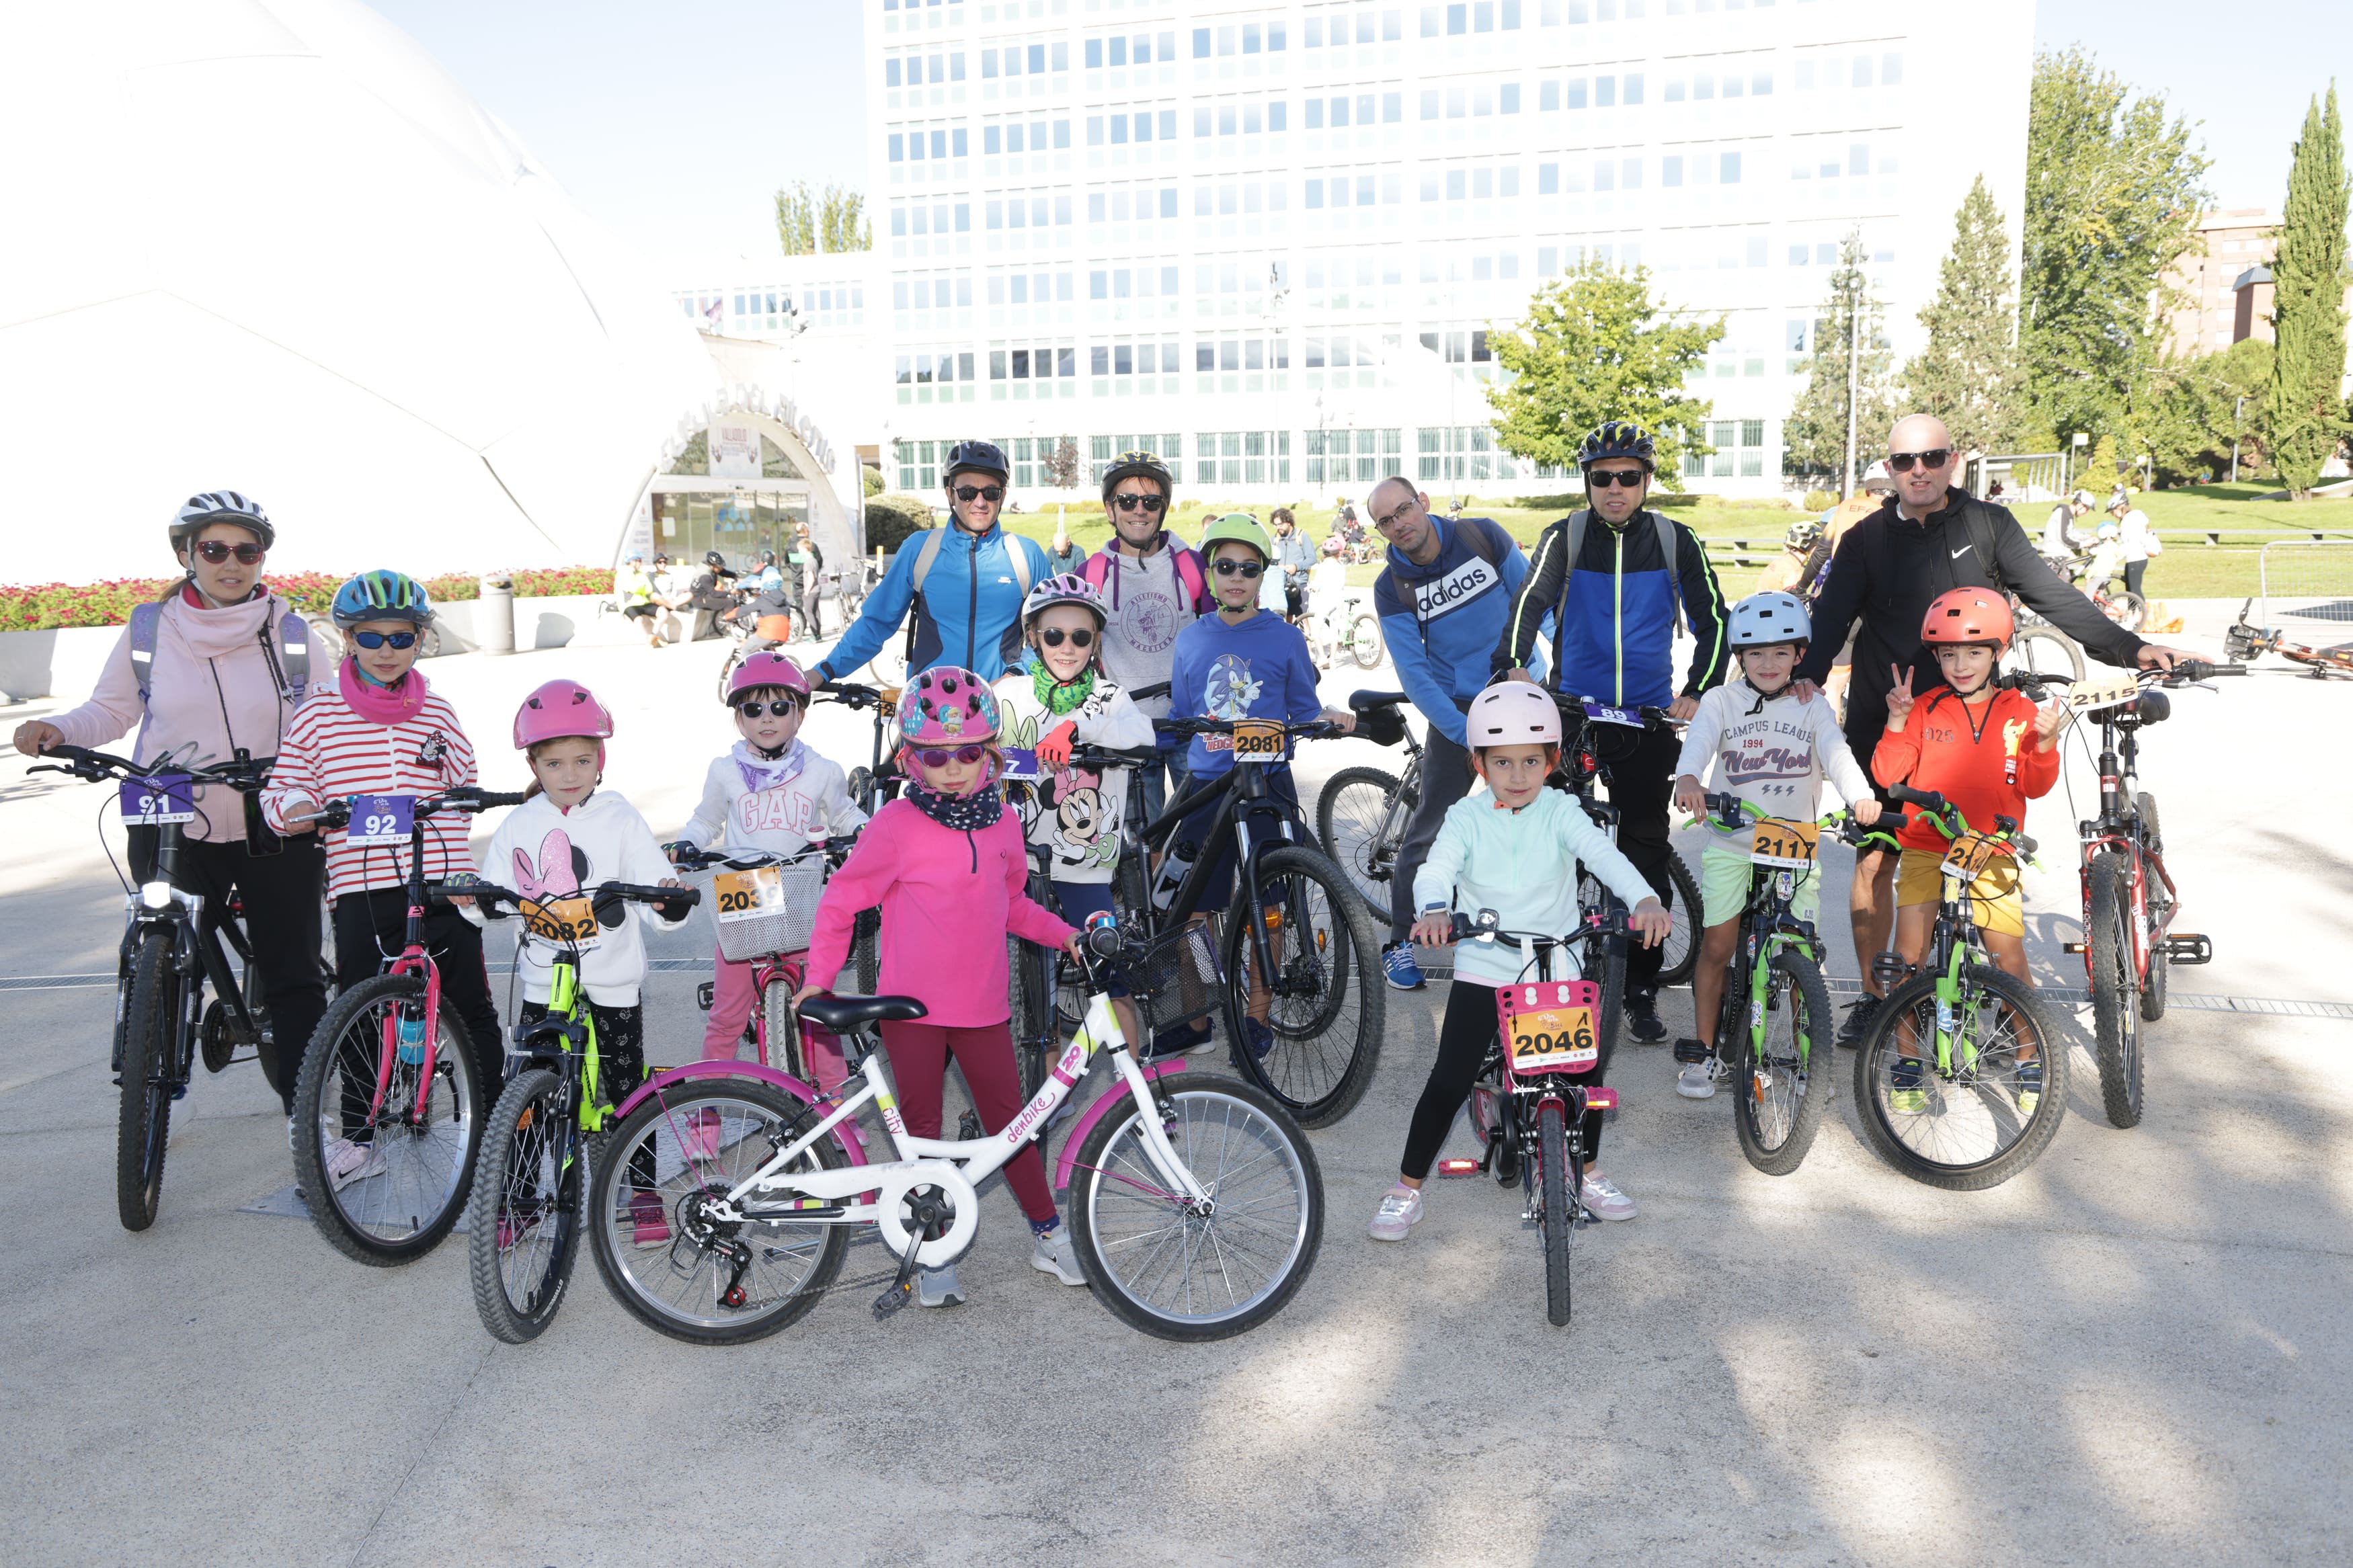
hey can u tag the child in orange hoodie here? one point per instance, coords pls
(1987, 751)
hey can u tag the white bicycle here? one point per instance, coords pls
(1195, 1203)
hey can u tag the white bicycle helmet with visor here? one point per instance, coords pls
(1772, 616)
(1512, 713)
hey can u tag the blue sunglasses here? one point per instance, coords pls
(377, 639)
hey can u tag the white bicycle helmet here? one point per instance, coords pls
(1069, 588)
(1772, 616)
(1512, 713)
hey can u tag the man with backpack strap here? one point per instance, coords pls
(1442, 599)
(1930, 537)
(1154, 586)
(1612, 578)
(965, 583)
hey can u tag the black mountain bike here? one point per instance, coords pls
(873, 786)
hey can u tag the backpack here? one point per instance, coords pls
(931, 552)
(293, 674)
(1482, 543)
(1670, 546)
(1097, 570)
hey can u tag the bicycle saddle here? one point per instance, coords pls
(848, 1015)
(1360, 700)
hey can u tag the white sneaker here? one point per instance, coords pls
(938, 1288)
(348, 1162)
(1054, 1255)
(1600, 1195)
(1697, 1081)
(1401, 1210)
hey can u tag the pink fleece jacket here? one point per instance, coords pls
(214, 687)
(948, 901)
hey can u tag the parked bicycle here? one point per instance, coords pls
(2248, 643)
(391, 1071)
(1195, 1208)
(1348, 629)
(171, 951)
(873, 786)
(1989, 1094)
(764, 907)
(524, 1221)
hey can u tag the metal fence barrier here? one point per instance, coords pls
(2307, 578)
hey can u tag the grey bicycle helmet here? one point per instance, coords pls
(199, 512)
(1138, 465)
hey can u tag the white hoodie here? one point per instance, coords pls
(542, 850)
(773, 807)
(1773, 758)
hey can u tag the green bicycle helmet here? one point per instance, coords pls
(1241, 526)
(383, 596)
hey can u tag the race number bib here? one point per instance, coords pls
(1972, 853)
(748, 895)
(566, 922)
(1779, 842)
(1022, 764)
(381, 819)
(889, 705)
(1259, 740)
(1603, 715)
(2087, 695)
(1547, 1025)
(153, 802)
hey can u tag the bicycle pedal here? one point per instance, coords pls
(1458, 1167)
(891, 1299)
(1689, 1050)
(968, 1128)
(705, 992)
(2185, 948)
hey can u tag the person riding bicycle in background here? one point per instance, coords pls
(1929, 538)
(1514, 850)
(2060, 542)
(965, 583)
(770, 794)
(1154, 586)
(1987, 751)
(379, 729)
(1770, 748)
(946, 864)
(1294, 555)
(1442, 599)
(1612, 600)
(218, 667)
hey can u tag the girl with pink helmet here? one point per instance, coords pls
(567, 838)
(947, 865)
(772, 793)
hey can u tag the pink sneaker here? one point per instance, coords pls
(647, 1224)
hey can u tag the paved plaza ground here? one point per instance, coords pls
(2135, 1352)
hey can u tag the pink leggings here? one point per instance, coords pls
(919, 1062)
(732, 1001)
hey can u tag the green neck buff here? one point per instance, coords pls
(1058, 697)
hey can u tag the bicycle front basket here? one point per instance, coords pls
(1174, 978)
(772, 924)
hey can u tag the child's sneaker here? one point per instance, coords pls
(1643, 1020)
(1602, 1199)
(1697, 1081)
(647, 1224)
(1054, 1255)
(1398, 965)
(2030, 1087)
(938, 1288)
(348, 1162)
(1185, 1040)
(1907, 1092)
(1401, 1210)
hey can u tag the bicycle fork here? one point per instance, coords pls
(418, 1047)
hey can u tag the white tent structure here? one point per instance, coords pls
(270, 246)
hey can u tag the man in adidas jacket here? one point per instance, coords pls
(1442, 599)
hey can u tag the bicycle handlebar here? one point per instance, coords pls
(687, 857)
(1464, 928)
(851, 694)
(336, 811)
(676, 901)
(243, 774)
(1114, 756)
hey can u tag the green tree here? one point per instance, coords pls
(1062, 468)
(842, 221)
(2113, 194)
(1815, 433)
(2304, 418)
(1968, 374)
(1596, 346)
(797, 220)
(2193, 413)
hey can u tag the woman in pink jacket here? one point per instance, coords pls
(215, 669)
(947, 864)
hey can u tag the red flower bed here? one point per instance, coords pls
(43, 606)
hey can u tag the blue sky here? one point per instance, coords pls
(673, 123)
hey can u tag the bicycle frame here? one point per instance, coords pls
(2118, 827)
(1239, 791)
(1953, 942)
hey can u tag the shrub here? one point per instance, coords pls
(890, 519)
(48, 606)
(1820, 500)
(871, 477)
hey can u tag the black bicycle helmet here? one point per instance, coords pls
(201, 512)
(1618, 438)
(716, 561)
(979, 456)
(1138, 465)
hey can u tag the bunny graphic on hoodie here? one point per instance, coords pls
(545, 852)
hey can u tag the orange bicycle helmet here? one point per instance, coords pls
(1969, 615)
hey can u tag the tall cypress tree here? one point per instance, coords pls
(2305, 417)
(1969, 376)
(1814, 435)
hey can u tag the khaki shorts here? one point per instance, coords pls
(1723, 886)
(2000, 908)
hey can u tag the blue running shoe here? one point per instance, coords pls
(1262, 1039)
(1397, 963)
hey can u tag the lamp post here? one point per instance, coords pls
(2238, 416)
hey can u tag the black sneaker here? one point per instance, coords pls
(1859, 1014)
(1183, 1040)
(1642, 1018)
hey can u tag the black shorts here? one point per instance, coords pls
(646, 611)
(1296, 598)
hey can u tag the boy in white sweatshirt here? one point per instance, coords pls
(1770, 750)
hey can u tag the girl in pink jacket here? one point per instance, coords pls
(947, 864)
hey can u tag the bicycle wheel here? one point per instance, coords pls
(1559, 1218)
(2115, 1001)
(1365, 642)
(408, 1192)
(1967, 1130)
(524, 1219)
(145, 1123)
(1609, 971)
(1783, 1085)
(673, 1267)
(2152, 985)
(1328, 1005)
(727, 670)
(1176, 1272)
(785, 1052)
(1680, 952)
(1360, 822)
(2124, 607)
(1032, 1014)
(2041, 650)
(866, 951)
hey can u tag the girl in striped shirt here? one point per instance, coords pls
(378, 729)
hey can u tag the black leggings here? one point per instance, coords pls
(1642, 783)
(1464, 1039)
(620, 1064)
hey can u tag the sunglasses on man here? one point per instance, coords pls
(372, 640)
(1602, 478)
(1151, 506)
(990, 493)
(1229, 566)
(216, 551)
(1054, 636)
(1935, 457)
(935, 758)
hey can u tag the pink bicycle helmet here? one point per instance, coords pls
(947, 705)
(1512, 713)
(763, 670)
(559, 709)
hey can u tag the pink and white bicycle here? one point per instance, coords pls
(1196, 1202)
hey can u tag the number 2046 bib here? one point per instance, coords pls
(1547, 1025)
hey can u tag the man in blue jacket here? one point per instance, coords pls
(966, 583)
(1442, 600)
